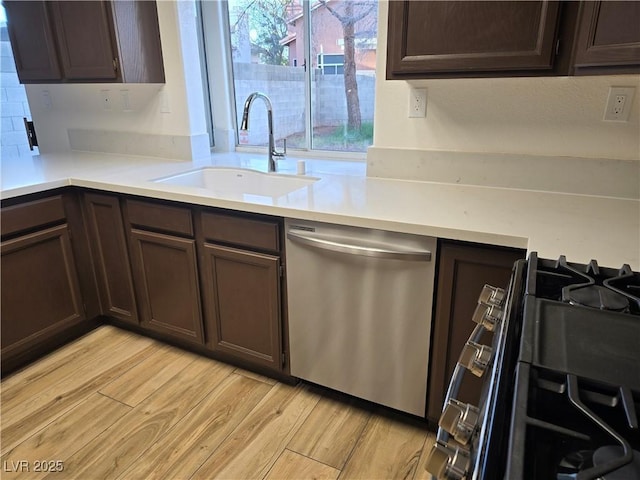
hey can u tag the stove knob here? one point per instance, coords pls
(487, 315)
(459, 419)
(492, 296)
(448, 463)
(475, 357)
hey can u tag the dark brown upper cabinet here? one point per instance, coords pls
(608, 38)
(444, 39)
(86, 41)
(471, 37)
(30, 30)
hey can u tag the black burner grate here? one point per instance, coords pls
(589, 285)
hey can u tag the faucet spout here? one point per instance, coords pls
(244, 125)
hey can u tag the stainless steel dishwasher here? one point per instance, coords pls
(360, 311)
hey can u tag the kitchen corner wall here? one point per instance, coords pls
(165, 120)
(558, 116)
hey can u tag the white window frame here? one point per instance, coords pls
(217, 44)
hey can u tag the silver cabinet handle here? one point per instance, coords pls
(327, 243)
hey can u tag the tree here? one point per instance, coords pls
(263, 23)
(348, 13)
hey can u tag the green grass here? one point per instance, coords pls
(338, 138)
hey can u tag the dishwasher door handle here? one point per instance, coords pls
(337, 244)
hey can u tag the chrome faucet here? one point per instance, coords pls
(244, 125)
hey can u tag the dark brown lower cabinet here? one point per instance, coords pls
(40, 289)
(110, 256)
(463, 269)
(242, 304)
(166, 280)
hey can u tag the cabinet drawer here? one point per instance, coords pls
(34, 214)
(160, 217)
(262, 234)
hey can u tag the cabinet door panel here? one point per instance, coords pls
(166, 280)
(463, 270)
(242, 295)
(468, 36)
(111, 257)
(609, 35)
(40, 289)
(32, 40)
(86, 44)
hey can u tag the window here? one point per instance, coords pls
(326, 103)
(331, 64)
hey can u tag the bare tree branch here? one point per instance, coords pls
(353, 18)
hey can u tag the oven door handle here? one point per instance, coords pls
(456, 380)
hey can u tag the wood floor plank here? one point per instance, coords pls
(292, 465)
(209, 419)
(255, 445)
(20, 401)
(63, 362)
(386, 450)
(112, 452)
(147, 376)
(186, 446)
(255, 376)
(330, 432)
(421, 473)
(64, 436)
(55, 400)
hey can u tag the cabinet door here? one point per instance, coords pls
(166, 281)
(242, 299)
(470, 36)
(32, 41)
(85, 41)
(110, 256)
(40, 289)
(608, 36)
(463, 270)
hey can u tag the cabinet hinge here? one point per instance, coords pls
(281, 271)
(558, 47)
(283, 359)
(115, 64)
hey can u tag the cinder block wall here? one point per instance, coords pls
(13, 104)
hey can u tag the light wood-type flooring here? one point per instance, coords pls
(114, 404)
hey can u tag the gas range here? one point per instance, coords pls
(562, 390)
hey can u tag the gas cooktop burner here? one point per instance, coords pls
(608, 454)
(602, 288)
(577, 464)
(597, 296)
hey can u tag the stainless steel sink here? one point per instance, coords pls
(239, 181)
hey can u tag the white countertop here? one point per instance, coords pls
(581, 227)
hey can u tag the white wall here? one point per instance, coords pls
(559, 116)
(174, 110)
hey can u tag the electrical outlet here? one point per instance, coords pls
(46, 100)
(619, 104)
(165, 104)
(417, 102)
(125, 100)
